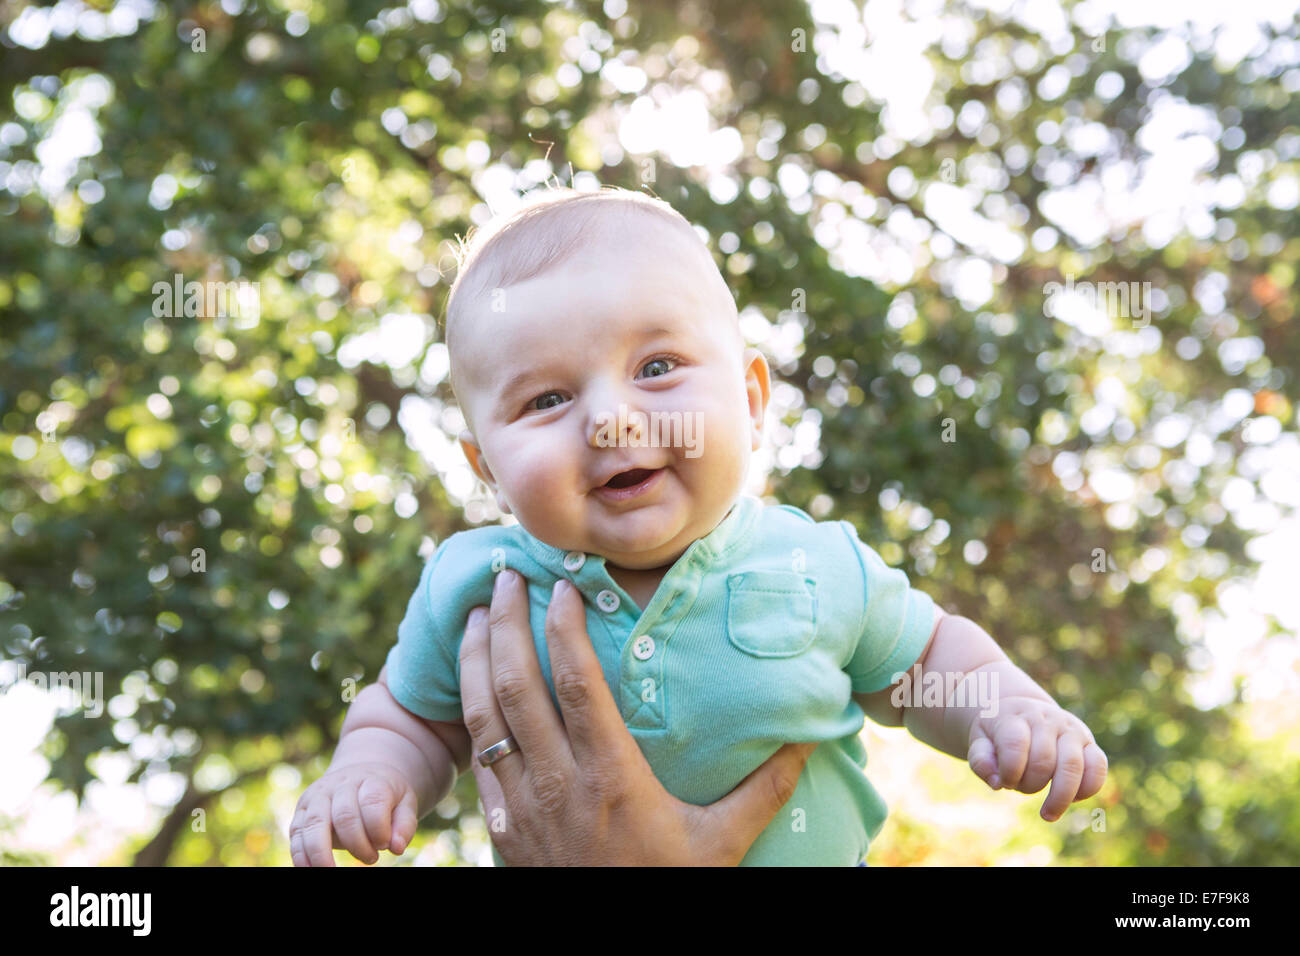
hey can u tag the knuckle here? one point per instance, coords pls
(345, 816)
(511, 688)
(783, 787)
(554, 625)
(1072, 764)
(478, 720)
(550, 793)
(609, 786)
(376, 798)
(470, 649)
(1041, 763)
(498, 613)
(1013, 732)
(572, 688)
(313, 822)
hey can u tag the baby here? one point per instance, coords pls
(611, 407)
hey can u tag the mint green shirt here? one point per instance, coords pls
(757, 636)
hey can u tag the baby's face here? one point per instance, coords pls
(543, 379)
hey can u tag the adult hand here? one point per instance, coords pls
(581, 792)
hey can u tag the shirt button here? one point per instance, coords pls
(644, 648)
(574, 560)
(607, 601)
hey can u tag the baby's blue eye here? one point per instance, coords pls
(542, 398)
(655, 368)
(667, 363)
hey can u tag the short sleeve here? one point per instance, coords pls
(897, 621)
(423, 666)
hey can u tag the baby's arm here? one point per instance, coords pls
(1011, 730)
(389, 770)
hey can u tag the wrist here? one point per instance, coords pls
(379, 745)
(1011, 681)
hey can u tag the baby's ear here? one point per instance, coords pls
(758, 387)
(474, 455)
(476, 461)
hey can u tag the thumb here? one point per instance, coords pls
(740, 816)
(405, 822)
(982, 757)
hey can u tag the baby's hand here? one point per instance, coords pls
(362, 808)
(1031, 741)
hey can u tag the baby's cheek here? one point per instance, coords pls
(721, 452)
(547, 476)
(525, 474)
(727, 429)
(543, 476)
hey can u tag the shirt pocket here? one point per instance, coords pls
(771, 613)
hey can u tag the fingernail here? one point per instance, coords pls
(476, 616)
(996, 782)
(500, 582)
(556, 590)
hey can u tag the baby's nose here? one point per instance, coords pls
(615, 425)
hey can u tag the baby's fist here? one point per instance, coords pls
(1031, 741)
(361, 808)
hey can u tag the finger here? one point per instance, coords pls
(738, 818)
(296, 853)
(483, 718)
(496, 816)
(405, 820)
(981, 757)
(1011, 742)
(1042, 757)
(591, 718)
(317, 834)
(345, 814)
(1094, 771)
(521, 690)
(1069, 771)
(375, 798)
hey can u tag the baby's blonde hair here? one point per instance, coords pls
(552, 226)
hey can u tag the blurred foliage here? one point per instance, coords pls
(226, 516)
(17, 857)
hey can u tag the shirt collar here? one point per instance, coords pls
(733, 529)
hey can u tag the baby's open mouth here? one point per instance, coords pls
(629, 478)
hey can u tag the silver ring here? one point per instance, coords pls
(498, 750)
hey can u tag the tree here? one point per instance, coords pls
(219, 503)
